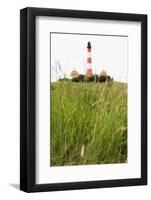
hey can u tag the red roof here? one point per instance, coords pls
(74, 73)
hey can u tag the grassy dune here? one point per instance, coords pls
(88, 123)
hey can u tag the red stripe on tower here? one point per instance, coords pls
(89, 49)
(89, 61)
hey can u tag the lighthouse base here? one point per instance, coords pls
(89, 72)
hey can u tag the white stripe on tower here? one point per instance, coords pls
(89, 66)
(89, 54)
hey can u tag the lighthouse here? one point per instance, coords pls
(89, 61)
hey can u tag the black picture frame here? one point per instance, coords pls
(28, 99)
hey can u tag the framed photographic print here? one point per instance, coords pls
(83, 99)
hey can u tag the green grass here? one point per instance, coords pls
(88, 123)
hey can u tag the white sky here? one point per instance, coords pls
(109, 53)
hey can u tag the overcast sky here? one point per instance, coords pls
(109, 53)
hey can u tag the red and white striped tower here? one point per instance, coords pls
(89, 61)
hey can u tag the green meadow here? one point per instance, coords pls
(88, 123)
